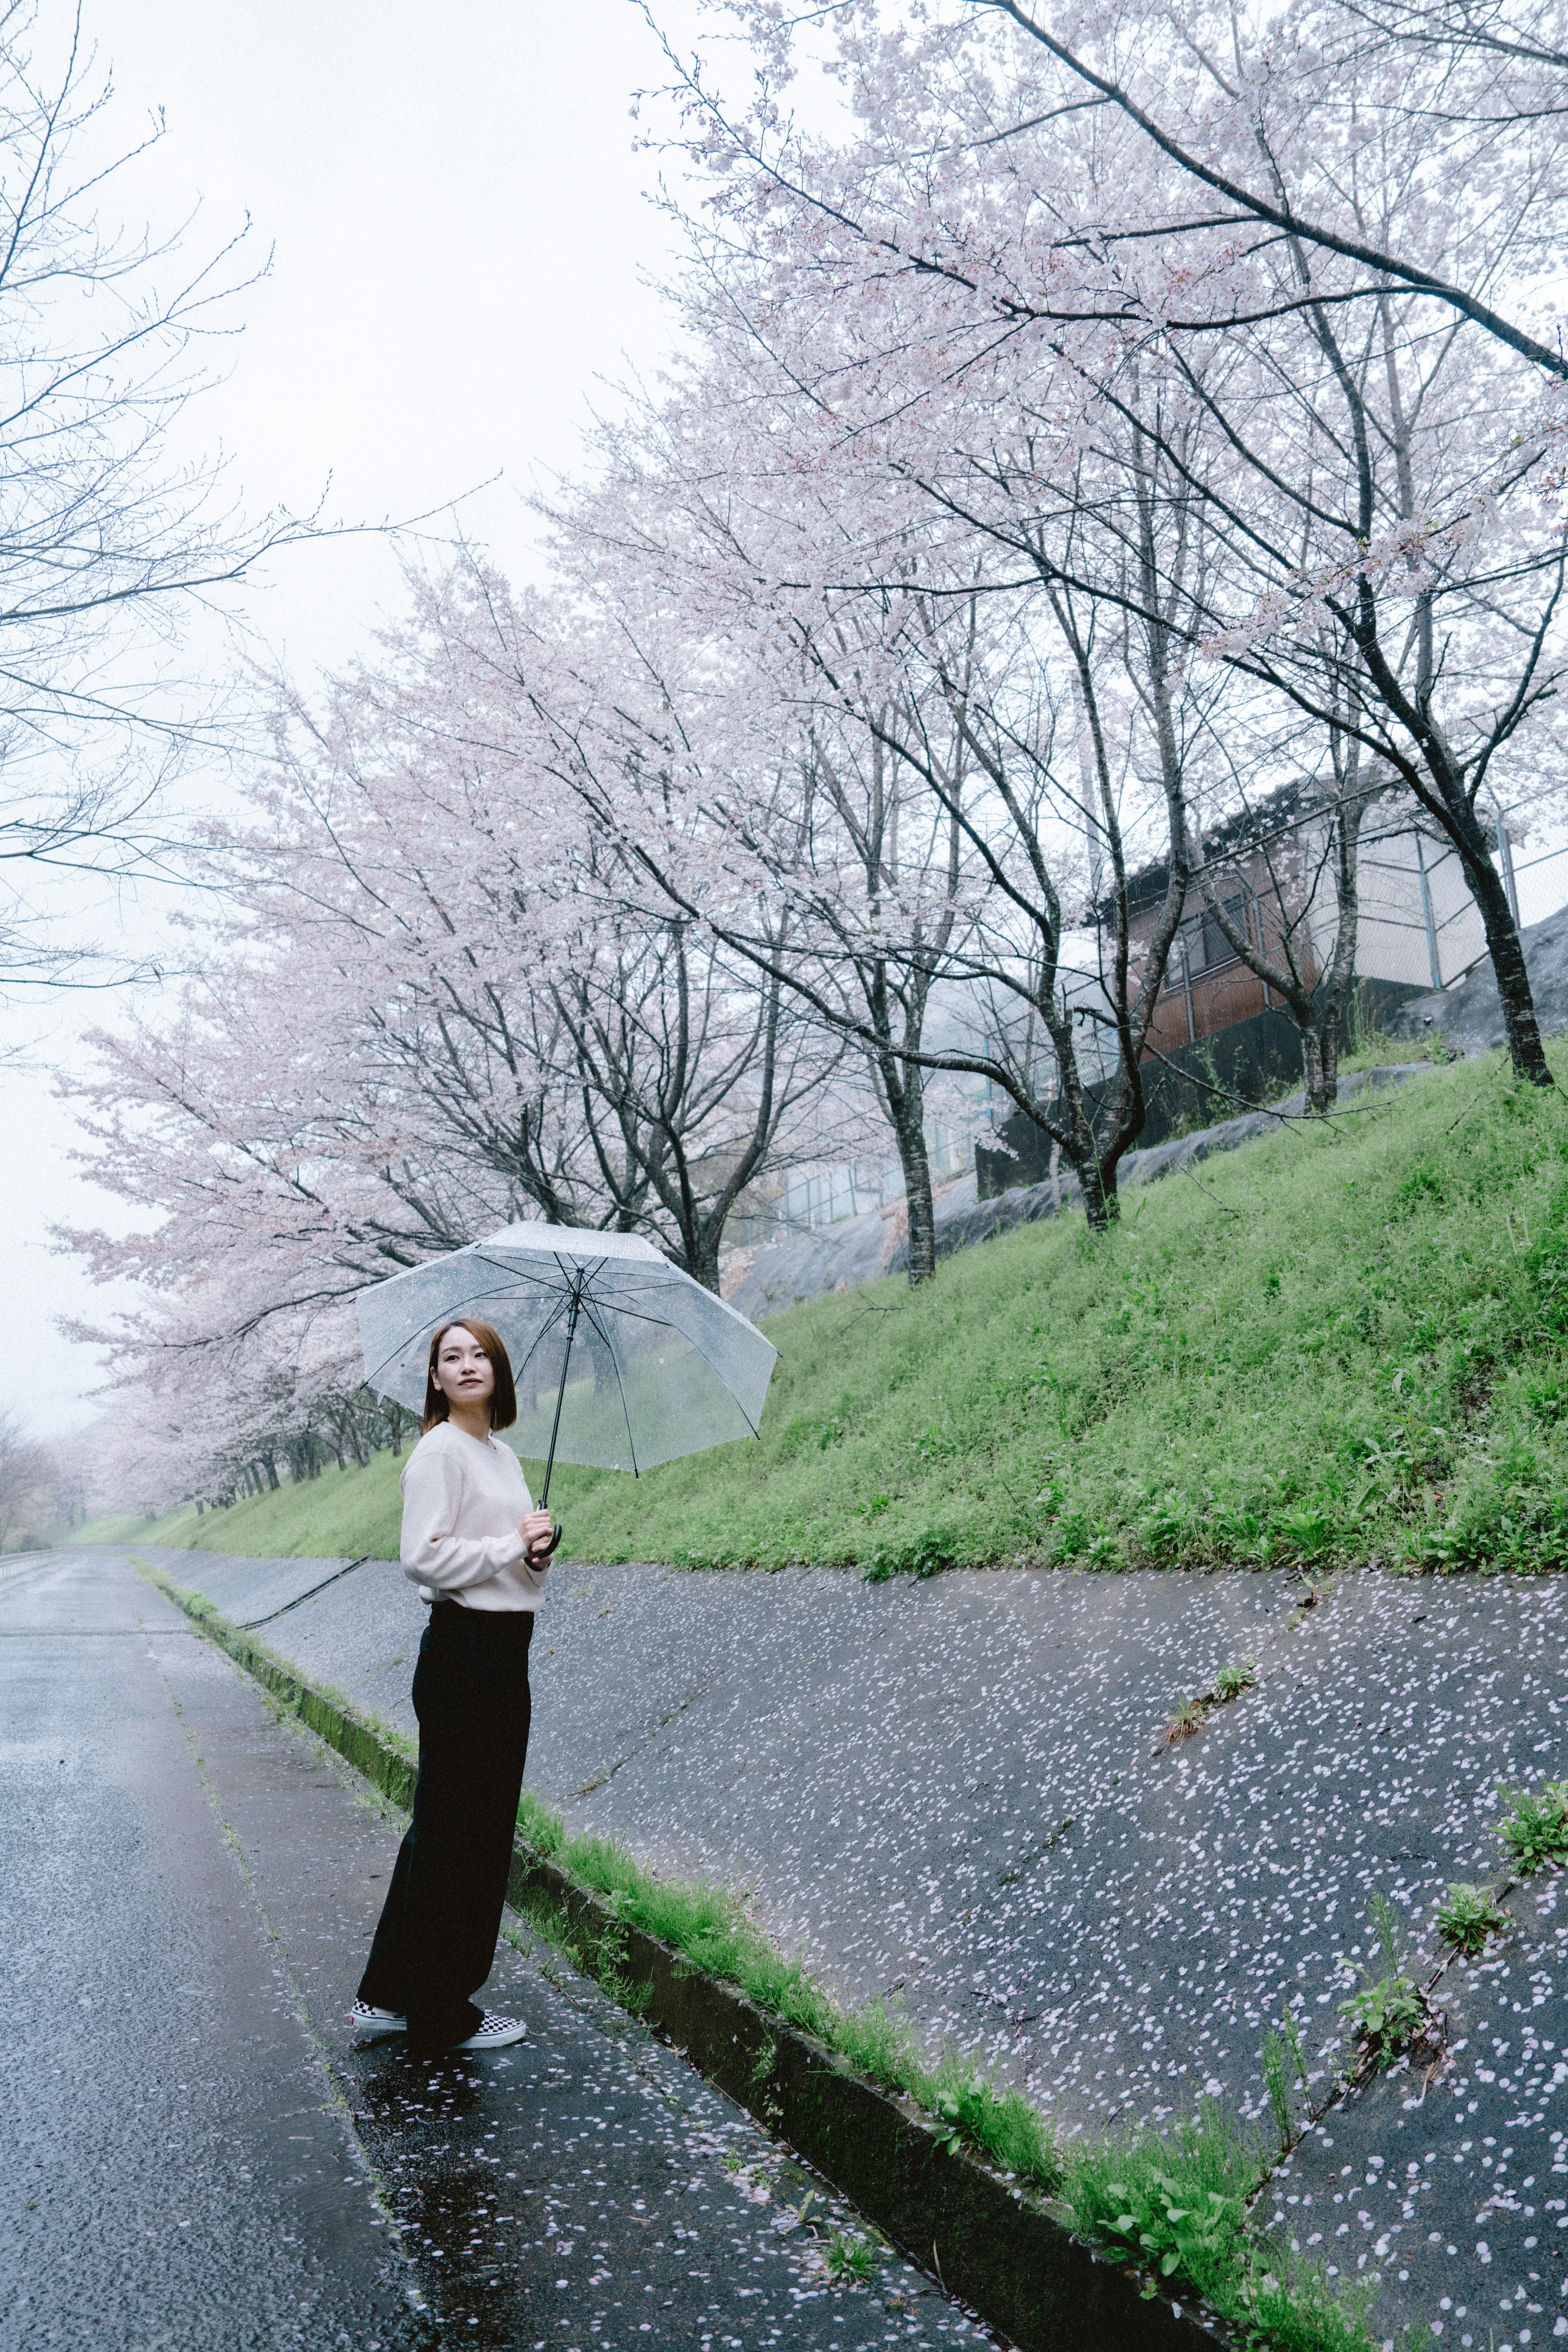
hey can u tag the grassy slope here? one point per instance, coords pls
(342, 1512)
(1341, 1342)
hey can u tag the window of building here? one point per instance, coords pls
(1202, 947)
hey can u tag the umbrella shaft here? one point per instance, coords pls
(559, 1400)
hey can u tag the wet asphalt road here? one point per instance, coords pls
(196, 2157)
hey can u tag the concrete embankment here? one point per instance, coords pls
(958, 1794)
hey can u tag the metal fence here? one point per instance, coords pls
(813, 1197)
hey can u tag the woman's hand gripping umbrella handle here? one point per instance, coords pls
(541, 1533)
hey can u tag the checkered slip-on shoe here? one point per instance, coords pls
(494, 2033)
(366, 2019)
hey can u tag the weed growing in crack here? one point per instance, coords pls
(1284, 2065)
(1174, 2208)
(1535, 1827)
(1194, 1713)
(1388, 2015)
(1292, 2033)
(848, 2261)
(1275, 2055)
(1187, 1718)
(1467, 1916)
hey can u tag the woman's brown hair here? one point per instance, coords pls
(503, 1403)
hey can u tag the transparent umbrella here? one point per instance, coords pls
(620, 1359)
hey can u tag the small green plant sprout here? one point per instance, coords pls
(1467, 1916)
(1285, 2061)
(1194, 1713)
(1535, 1826)
(1388, 2016)
(1277, 2071)
(1292, 2033)
(848, 2262)
(956, 2102)
(1167, 2230)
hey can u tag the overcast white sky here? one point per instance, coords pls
(461, 232)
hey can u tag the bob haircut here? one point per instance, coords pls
(503, 1403)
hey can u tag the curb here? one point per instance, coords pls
(998, 2246)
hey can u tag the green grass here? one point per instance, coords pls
(1176, 2206)
(1338, 1343)
(342, 1514)
(709, 1930)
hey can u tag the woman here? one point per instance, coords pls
(478, 1549)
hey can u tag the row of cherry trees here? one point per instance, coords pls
(1075, 446)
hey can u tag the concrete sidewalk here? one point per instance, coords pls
(198, 2154)
(956, 1794)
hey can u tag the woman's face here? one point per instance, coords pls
(464, 1373)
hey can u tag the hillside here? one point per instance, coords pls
(1337, 1343)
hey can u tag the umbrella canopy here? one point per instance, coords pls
(620, 1359)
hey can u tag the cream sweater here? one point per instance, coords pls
(462, 1498)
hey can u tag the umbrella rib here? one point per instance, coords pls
(450, 1313)
(516, 1273)
(588, 1307)
(545, 1328)
(663, 1323)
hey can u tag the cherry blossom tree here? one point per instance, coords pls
(109, 541)
(431, 1009)
(1363, 443)
(1252, 116)
(25, 1498)
(840, 442)
(788, 827)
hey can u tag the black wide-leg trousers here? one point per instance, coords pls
(436, 1943)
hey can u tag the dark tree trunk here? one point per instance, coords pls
(1522, 1029)
(1442, 791)
(909, 1128)
(903, 1098)
(702, 1258)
